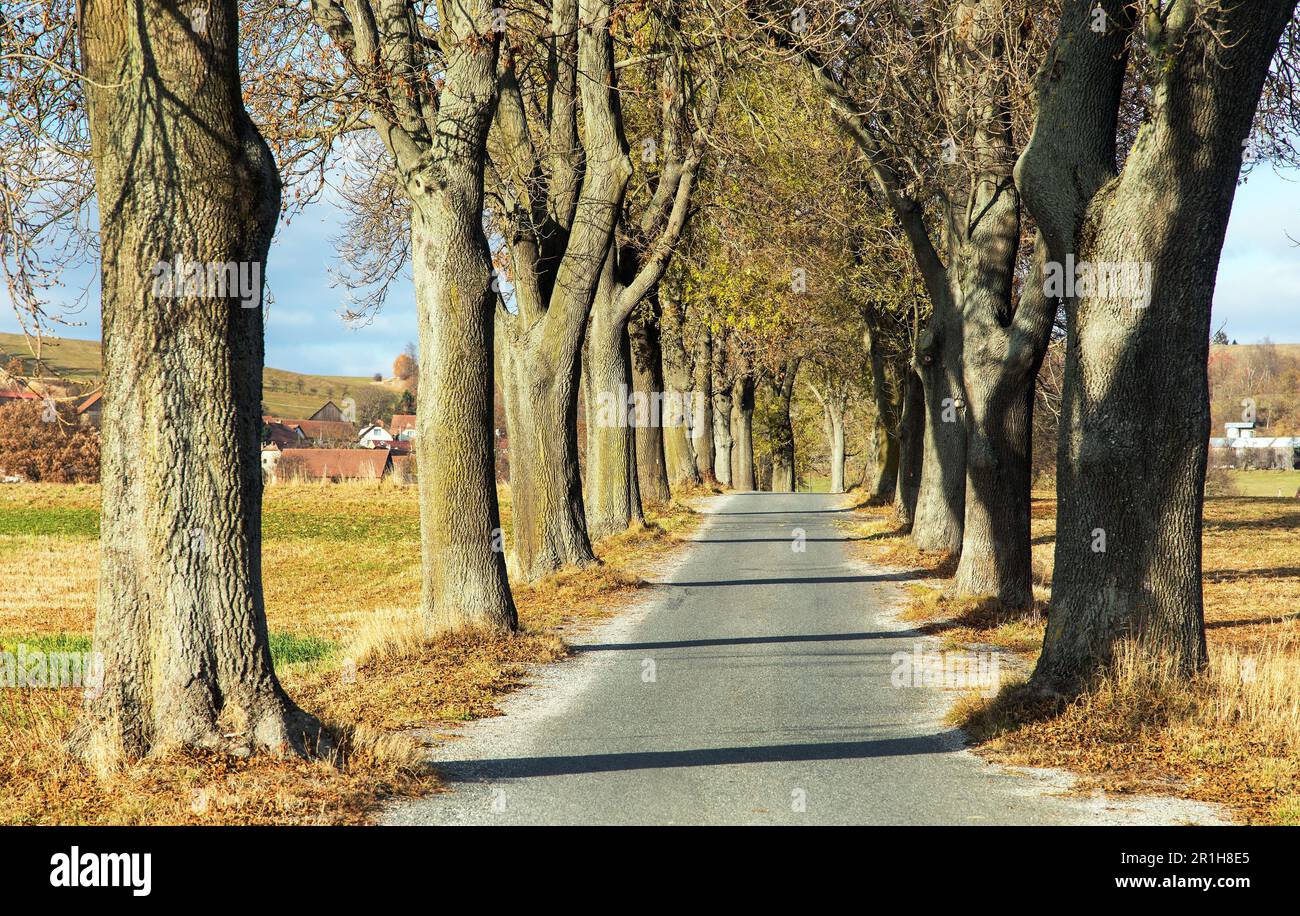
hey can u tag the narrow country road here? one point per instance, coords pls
(752, 687)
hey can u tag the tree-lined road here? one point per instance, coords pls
(754, 688)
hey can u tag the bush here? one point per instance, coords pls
(51, 449)
(1219, 482)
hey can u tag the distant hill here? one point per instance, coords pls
(285, 394)
(1285, 349)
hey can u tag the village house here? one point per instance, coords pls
(402, 426)
(333, 464)
(317, 433)
(376, 436)
(283, 436)
(1240, 448)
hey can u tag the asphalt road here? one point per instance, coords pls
(757, 685)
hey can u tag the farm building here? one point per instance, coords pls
(282, 436)
(318, 432)
(1243, 450)
(327, 463)
(330, 412)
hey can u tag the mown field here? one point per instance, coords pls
(1232, 737)
(341, 573)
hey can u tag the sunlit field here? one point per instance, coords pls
(341, 574)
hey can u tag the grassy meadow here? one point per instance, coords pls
(341, 574)
(1232, 738)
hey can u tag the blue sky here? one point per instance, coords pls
(1257, 295)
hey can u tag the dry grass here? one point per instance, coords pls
(1232, 736)
(341, 569)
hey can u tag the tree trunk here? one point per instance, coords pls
(550, 529)
(1128, 548)
(742, 433)
(613, 492)
(557, 277)
(702, 397)
(723, 441)
(1000, 370)
(648, 385)
(181, 173)
(783, 431)
(941, 496)
(682, 427)
(835, 425)
(911, 447)
(438, 147)
(885, 426)
(463, 567)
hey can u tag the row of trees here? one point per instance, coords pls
(606, 198)
(1011, 140)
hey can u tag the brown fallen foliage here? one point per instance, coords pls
(1232, 736)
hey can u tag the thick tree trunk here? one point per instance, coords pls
(723, 442)
(1000, 371)
(941, 497)
(181, 173)
(911, 447)
(550, 529)
(742, 433)
(702, 396)
(613, 491)
(648, 385)
(1135, 417)
(688, 417)
(885, 425)
(558, 277)
(463, 567)
(438, 147)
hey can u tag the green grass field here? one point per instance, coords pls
(1265, 483)
(286, 394)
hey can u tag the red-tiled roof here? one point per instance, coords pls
(334, 463)
(318, 429)
(401, 422)
(281, 435)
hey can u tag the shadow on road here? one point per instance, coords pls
(798, 580)
(784, 540)
(522, 767)
(741, 641)
(786, 512)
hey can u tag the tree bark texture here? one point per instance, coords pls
(181, 173)
(648, 385)
(1128, 548)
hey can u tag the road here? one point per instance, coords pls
(754, 686)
